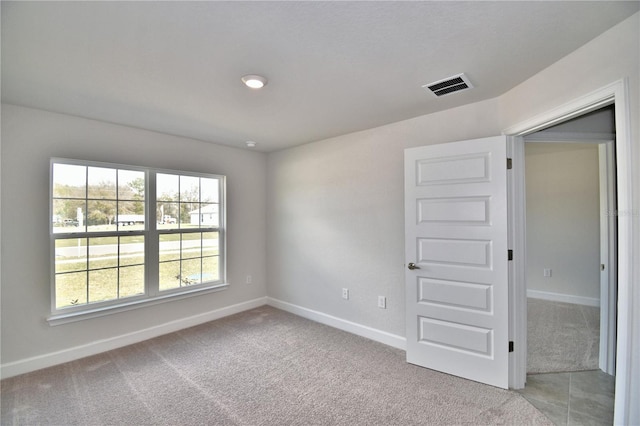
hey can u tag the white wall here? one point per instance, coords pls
(336, 218)
(29, 138)
(563, 219)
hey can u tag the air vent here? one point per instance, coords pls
(449, 85)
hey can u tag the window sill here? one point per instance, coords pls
(65, 318)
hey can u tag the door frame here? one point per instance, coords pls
(617, 94)
(608, 255)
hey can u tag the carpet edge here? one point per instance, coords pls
(389, 339)
(51, 359)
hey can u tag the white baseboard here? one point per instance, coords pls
(566, 298)
(54, 358)
(27, 365)
(380, 336)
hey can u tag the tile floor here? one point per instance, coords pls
(579, 398)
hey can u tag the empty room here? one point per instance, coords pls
(310, 212)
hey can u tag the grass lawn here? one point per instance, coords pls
(106, 275)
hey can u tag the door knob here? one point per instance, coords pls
(412, 266)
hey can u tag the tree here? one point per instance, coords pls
(137, 187)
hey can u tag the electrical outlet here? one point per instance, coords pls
(547, 272)
(345, 293)
(249, 279)
(382, 302)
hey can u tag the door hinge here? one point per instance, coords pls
(509, 254)
(509, 164)
(510, 346)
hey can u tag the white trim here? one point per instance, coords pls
(517, 277)
(564, 298)
(380, 336)
(66, 355)
(608, 258)
(583, 105)
(625, 364)
(65, 318)
(616, 93)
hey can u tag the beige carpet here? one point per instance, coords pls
(562, 337)
(261, 367)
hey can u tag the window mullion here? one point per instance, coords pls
(85, 226)
(152, 239)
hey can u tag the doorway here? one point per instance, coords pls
(570, 245)
(563, 284)
(570, 275)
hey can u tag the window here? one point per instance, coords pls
(123, 235)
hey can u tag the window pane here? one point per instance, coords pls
(167, 214)
(71, 255)
(209, 215)
(130, 215)
(131, 281)
(189, 215)
(191, 272)
(132, 250)
(189, 188)
(71, 289)
(69, 181)
(103, 285)
(210, 268)
(210, 244)
(68, 215)
(169, 275)
(102, 183)
(131, 185)
(198, 252)
(167, 187)
(169, 247)
(109, 276)
(191, 245)
(103, 252)
(189, 201)
(101, 215)
(209, 190)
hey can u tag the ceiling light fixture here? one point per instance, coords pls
(251, 144)
(254, 81)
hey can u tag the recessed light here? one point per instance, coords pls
(251, 144)
(254, 81)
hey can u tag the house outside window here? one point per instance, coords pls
(126, 235)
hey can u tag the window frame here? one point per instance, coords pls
(152, 294)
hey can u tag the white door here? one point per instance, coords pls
(456, 246)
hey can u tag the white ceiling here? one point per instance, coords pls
(333, 67)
